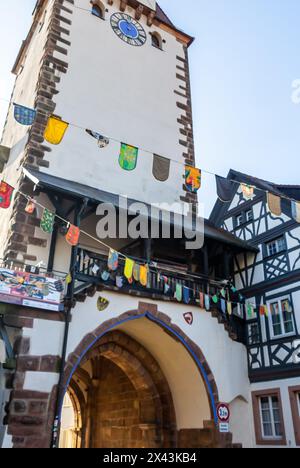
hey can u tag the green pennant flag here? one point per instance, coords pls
(128, 157)
(215, 299)
(47, 221)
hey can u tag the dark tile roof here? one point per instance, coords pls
(292, 191)
(161, 16)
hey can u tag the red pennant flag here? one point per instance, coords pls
(73, 235)
(262, 311)
(6, 193)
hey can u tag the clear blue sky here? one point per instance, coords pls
(243, 63)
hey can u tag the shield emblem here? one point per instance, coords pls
(189, 318)
(102, 304)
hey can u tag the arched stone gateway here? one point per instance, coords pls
(138, 381)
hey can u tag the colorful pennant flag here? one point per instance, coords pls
(223, 306)
(201, 297)
(215, 299)
(274, 204)
(105, 276)
(144, 272)
(47, 221)
(72, 236)
(6, 194)
(224, 189)
(128, 270)
(119, 282)
(113, 260)
(161, 168)
(248, 191)
(30, 207)
(128, 157)
(69, 279)
(264, 311)
(295, 211)
(251, 311)
(186, 295)
(102, 141)
(136, 272)
(55, 130)
(24, 115)
(229, 308)
(192, 179)
(178, 292)
(207, 302)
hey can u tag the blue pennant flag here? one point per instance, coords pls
(24, 115)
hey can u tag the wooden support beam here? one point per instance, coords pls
(139, 12)
(123, 5)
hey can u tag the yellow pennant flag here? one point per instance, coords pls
(55, 130)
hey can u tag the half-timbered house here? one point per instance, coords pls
(270, 277)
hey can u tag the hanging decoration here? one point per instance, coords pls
(201, 299)
(95, 269)
(30, 207)
(6, 194)
(102, 304)
(223, 306)
(69, 279)
(274, 204)
(72, 236)
(144, 272)
(215, 299)
(192, 179)
(136, 272)
(128, 270)
(161, 168)
(207, 302)
(24, 115)
(224, 189)
(189, 318)
(105, 276)
(178, 292)
(113, 260)
(55, 130)
(248, 191)
(295, 211)
(229, 308)
(128, 157)
(119, 282)
(102, 141)
(47, 221)
(186, 295)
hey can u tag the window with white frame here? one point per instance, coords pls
(270, 417)
(276, 246)
(281, 317)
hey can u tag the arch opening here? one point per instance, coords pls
(143, 384)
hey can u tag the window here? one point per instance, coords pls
(276, 246)
(240, 220)
(253, 334)
(156, 41)
(268, 417)
(281, 318)
(97, 11)
(249, 216)
(295, 407)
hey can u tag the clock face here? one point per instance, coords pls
(128, 29)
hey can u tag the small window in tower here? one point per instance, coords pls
(97, 11)
(156, 41)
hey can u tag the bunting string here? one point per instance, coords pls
(182, 293)
(195, 184)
